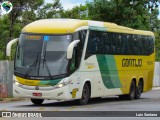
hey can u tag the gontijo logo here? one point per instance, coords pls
(6, 7)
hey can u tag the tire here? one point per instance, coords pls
(139, 90)
(131, 94)
(85, 95)
(95, 99)
(37, 101)
(122, 97)
(132, 91)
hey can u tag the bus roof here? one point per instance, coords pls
(66, 26)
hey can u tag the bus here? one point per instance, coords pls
(70, 59)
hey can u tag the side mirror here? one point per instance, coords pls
(71, 48)
(9, 46)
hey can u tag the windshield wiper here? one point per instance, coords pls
(44, 60)
(34, 64)
(47, 68)
(45, 63)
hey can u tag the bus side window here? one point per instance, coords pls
(100, 44)
(113, 43)
(73, 61)
(124, 49)
(142, 52)
(152, 44)
(135, 48)
(145, 45)
(129, 39)
(78, 50)
(106, 43)
(82, 37)
(118, 43)
(92, 45)
(139, 45)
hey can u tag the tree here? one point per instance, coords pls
(50, 10)
(16, 20)
(77, 12)
(155, 25)
(137, 14)
(23, 13)
(131, 13)
(4, 33)
(157, 44)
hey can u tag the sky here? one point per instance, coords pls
(68, 4)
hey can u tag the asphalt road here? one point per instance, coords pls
(149, 101)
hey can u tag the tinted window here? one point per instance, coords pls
(119, 43)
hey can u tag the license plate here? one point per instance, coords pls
(37, 94)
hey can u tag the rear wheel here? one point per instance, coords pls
(131, 94)
(139, 90)
(85, 95)
(37, 101)
(122, 97)
(95, 99)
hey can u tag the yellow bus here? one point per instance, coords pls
(69, 59)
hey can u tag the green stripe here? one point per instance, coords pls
(108, 71)
(50, 82)
(113, 71)
(104, 71)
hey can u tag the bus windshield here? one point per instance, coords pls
(42, 55)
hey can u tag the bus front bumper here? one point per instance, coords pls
(62, 93)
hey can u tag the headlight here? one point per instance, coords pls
(16, 83)
(60, 85)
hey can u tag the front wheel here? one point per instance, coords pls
(37, 101)
(85, 95)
